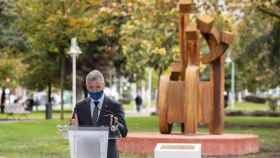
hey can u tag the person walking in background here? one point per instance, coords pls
(138, 102)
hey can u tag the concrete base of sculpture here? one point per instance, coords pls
(218, 145)
(178, 150)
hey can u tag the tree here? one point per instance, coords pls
(55, 23)
(270, 8)
(149, 38)
(11, 43)
(255, 48)
(11, 71)
(107, 23)
(259, 47)
(42, 72)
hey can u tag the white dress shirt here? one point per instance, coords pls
(92, 105)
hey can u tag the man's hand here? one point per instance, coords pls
(115, 121)
(74, 121)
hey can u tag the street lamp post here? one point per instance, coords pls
(74, 52)
(232, 85)
(150, 87)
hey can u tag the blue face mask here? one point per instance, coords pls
(96, 95)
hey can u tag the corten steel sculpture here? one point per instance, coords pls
(183, 97)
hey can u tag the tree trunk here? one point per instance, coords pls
(62, 74)
(3, 99)
(85, 88)
(49, 103)
(158, 91)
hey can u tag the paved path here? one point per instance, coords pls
(15, 120)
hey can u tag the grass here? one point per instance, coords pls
(252, 121)
(246, 106)
(32, 140)
(40, 139)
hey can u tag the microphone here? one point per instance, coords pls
(113, 118)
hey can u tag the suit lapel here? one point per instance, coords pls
(88, 110)
(104, 108)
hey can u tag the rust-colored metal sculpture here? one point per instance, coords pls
(183, 98)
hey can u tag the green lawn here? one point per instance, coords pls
(40, 138)
(246, 106)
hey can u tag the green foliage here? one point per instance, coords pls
(149, 38)
(56, 22)
(11, 70)
(42, 69)
(273, 103)
(104, 51)
(258, 56)
(123, 37)
(48, 27)
(11, 39)
(11, 43)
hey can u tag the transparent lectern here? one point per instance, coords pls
(90, 142)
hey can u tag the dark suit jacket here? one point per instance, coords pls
(82, 110)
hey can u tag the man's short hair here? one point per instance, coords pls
(95, 75)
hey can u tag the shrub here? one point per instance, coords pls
(254, 99)
(273, 103)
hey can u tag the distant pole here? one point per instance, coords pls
(232, 84)
(74, 75)
(150, 87)
(74, 52)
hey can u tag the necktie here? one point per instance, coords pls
(95, 113)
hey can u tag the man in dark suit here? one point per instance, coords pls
(100, 110)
